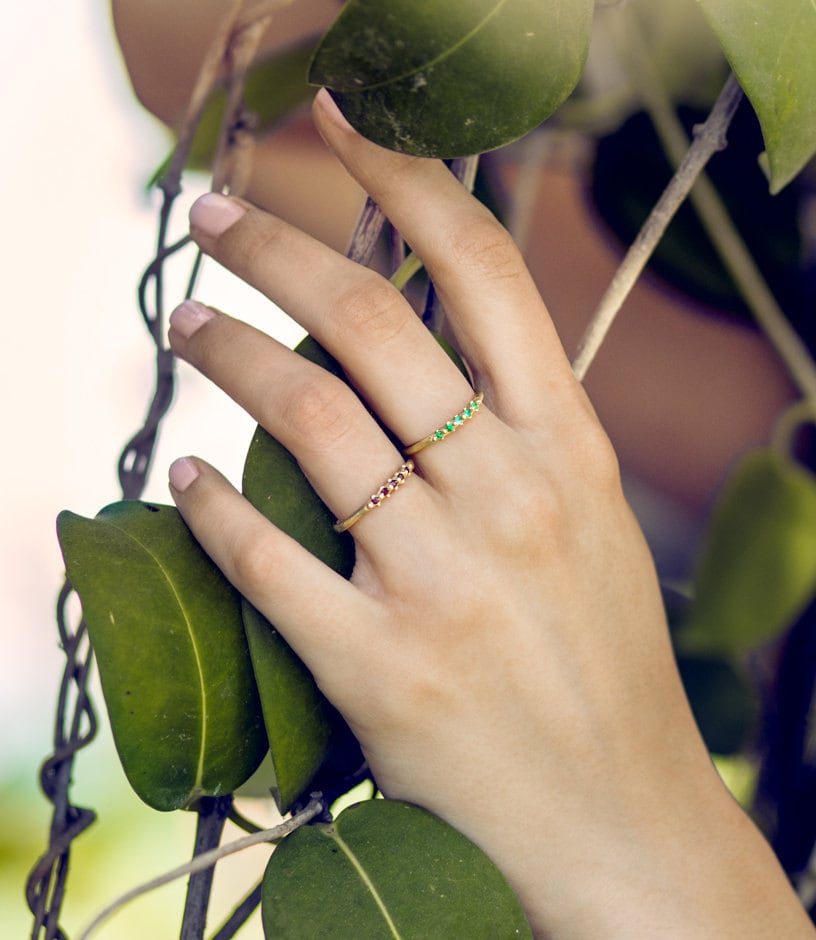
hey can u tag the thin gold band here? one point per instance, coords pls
(449, 427)
(391, 485)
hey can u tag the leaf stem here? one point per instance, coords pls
(409, 267)
(727, 240)
(312, 809)
(714, 216)
(709, 138)
(238, 918)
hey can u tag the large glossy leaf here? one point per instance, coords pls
(302, 727)
(772, 49)
(757, 568)
(306, 734)
(166, 629)
(386, 869)
(452, 79)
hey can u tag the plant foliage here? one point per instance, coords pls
(771, 48)
(198, 684)
(452, 79)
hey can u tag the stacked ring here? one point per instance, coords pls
(449, 427)
(392, 484)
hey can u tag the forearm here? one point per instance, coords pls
(690, 870)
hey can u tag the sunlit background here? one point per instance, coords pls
(76, 380)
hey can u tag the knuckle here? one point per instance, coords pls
(253, 564)
(595, 458)
(320, 406)
(246, 247)
(372, 310)
(485, 248)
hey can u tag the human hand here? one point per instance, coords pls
(500, 650)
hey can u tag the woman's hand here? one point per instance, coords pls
(501, 650)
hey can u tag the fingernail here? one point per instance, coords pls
(213, 214)
(190, 316)
(328, 107)
(182, 473)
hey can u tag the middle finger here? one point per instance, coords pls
(358, 316)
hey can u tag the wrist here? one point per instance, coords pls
(684, 862)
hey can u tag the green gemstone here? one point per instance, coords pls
(467, 413)
(438, 435)
(458, 420)
(450, 426)
(475, 404)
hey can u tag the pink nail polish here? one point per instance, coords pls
(328, 106)
(213, 214)
(182, 473)
(190, 316)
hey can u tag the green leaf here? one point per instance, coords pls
(302, 727)
(723, 702)
(452, 79)
(772, 49)
(386, 869)
(167, 633)
(757, 567)
(307, 736)
(309, 742)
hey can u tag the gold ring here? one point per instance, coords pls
(449, 427)
(392, 484)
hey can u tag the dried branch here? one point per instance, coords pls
(206, 860)
(709, 139)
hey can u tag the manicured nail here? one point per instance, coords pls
(190, 316)
(213, 214)
(328, 107)
(182, 473)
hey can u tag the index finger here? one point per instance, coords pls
(491, 300)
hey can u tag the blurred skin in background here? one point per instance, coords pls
(680, 392)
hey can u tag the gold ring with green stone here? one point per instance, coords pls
(456, 422)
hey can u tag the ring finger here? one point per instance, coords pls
(312, 413)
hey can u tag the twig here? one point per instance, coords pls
(719, 226)
(366, 232)
(313, 808)
(212, 814)
(709, 138)
(240, 915)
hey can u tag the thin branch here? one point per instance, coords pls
(233, 155)
(409, 267)
(208, 76)
(313, 808)
(709, 139)
(239, 820)
(717, 222)
(366, 232)
(240, 915)
(212, 814)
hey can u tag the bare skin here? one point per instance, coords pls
(681, 393)
(502, 636)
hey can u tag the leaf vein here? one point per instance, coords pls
(358, 867)
(445, 54)
(196, 653)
